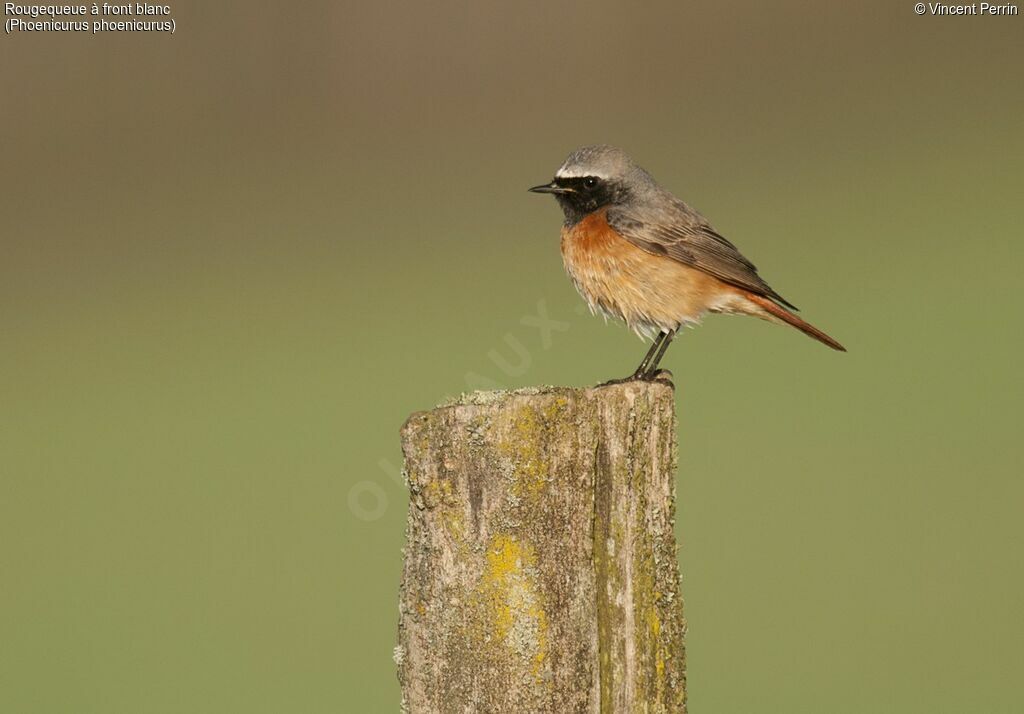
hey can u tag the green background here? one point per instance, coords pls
(233, 260)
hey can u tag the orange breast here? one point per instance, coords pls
(649, 292)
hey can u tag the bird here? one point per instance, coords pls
(638, 254)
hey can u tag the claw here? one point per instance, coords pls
(662, 375)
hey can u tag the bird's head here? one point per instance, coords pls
(594, 177)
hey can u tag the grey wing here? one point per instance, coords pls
(683, 234)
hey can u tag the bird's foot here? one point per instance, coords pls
(660, 375)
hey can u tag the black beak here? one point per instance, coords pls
(550, 188)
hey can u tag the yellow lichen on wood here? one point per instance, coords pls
(525, 446)
(437, 491)
(510, 603)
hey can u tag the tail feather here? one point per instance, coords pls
(789, 318)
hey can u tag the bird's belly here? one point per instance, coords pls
(648, 292)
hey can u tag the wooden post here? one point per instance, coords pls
(540, 565)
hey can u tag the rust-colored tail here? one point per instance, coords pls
(790, 319)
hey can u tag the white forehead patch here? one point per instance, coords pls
(575, 172)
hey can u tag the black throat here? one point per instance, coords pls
(581, 200)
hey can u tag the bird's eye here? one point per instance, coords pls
(590, 182)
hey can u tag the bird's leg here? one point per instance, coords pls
(648, 368)
(639, 373)
(652, 367)
(645, 364)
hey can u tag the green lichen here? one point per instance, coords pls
(628, 544)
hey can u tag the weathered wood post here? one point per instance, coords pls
(540, 565)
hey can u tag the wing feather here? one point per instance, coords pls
(682, 234)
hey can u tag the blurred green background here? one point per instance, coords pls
(234, 259)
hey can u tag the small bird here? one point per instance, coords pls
(637, 253)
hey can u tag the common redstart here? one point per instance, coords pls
(637, 253)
